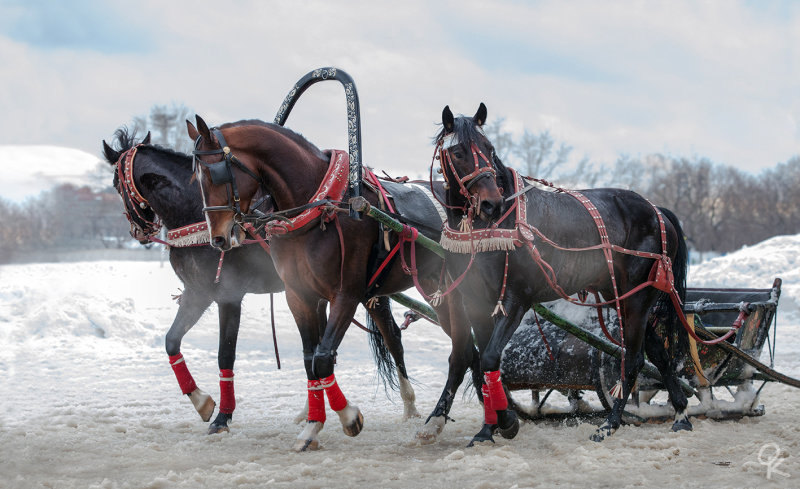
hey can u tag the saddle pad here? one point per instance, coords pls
(415, 202)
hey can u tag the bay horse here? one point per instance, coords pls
(156, 187)
(525, 242)
(321, 254)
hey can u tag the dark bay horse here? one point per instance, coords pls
(156, 187)
(525, 241)
(321, 254)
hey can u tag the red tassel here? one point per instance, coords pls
(227, 402)
(496, 392)
(185, 379)
(316, 402)
(336, 399)
(489, 414)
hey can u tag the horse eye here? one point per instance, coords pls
(458, 154)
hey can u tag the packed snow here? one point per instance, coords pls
(88, 399)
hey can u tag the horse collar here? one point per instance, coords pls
(332, 189)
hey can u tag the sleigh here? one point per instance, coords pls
(562, 349)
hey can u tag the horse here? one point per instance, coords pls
(320, 253)
(158, 188)
(526, 245)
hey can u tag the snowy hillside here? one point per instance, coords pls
(28, 170)
(88, 399)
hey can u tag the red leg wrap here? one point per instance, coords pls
(185, 379)
(496, 392)
(227, 401)
(336, 399)
(489, 414)
(316, 402)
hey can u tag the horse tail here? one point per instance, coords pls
(664, 309)
(386, 368)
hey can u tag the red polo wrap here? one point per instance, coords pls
(316, 402)
(336, 399)
(185, 379)
(489, 414)
(227, 401)
(496, 392)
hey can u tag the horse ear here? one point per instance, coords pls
(192, 131)
(448, 121)
(202, 127)
(146, 139)
(480, 115)
(111, 155)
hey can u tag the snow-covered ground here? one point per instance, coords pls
(88, 400)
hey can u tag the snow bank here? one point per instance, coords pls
(89, 400)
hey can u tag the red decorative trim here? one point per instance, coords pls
(489, 414)
(336, 398)
(496, 393)
(227, 402)
(333, 187)
(185, 231)
(185, 379)
(316, 402)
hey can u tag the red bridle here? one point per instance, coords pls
(467, 181)
(145, 229)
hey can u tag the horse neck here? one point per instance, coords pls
(291, 173)
(177, 204)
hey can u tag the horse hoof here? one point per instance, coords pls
(484, 435)
(203, 403)
(508, 424)
(602, 432)
(409, 413)
(220, 424)
(306, 445)
(428, 433)
(352, 420)
(682, 425)
(307, 440)
(214, 429)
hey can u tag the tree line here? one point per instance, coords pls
(720, 207)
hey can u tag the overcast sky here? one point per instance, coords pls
(685, 78)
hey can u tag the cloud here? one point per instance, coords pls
(714, 79)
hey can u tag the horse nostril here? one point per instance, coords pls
(491, 209)
(218, 242)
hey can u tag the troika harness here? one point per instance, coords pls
(467, 240)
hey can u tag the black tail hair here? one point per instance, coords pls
(386, 369)
(664, 309)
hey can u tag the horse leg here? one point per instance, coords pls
(483, 332)
(382, 316)
(634, 312)
(342, 311)
(504, 327)
(229, 318)
(463, 354)
(658, 354)
(307, 319)
(322, 318)
(191, 307)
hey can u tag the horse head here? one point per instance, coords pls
(228, 182)
(462, 149)
(143, 219)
